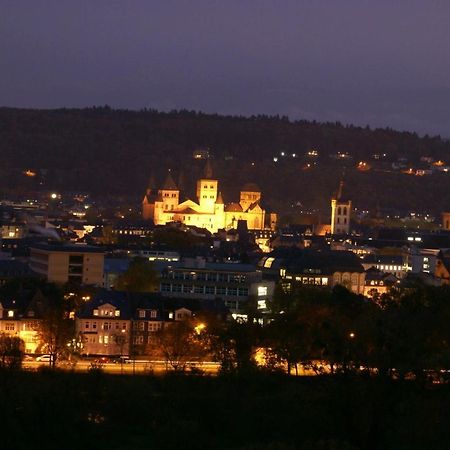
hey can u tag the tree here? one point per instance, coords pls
(11, 351)
(141, 276)
(233, 344)
(178, 343)
(56, 329)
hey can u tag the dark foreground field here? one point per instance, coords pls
(54, 410)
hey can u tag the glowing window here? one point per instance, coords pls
(262, 304)
(268, 263)
(262, 291)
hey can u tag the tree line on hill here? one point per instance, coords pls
(84, 149)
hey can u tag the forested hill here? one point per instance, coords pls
(108, 151)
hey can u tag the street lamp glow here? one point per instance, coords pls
(199, 328)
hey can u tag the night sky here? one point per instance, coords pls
(376, 62)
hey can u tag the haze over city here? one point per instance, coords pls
(380, 63)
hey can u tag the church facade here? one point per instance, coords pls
(208, 211)
(341, 208)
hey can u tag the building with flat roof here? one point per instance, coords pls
(62, 263)
(232, 283)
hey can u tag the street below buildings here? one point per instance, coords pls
(127, 368)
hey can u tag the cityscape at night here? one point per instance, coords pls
(225, 225)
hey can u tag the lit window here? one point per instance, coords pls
(142, 313)
(117, 312)
(262, 304)
(10, 313)
(268, 263)
(262, 291)
(95, 312)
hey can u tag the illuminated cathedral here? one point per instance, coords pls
(209, 210)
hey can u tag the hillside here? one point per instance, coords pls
(107, 151)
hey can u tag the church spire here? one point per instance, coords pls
(169, 184)
(219, 200)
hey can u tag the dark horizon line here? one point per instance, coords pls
(224, 115)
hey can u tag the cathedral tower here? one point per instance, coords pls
(170, 194)
(207, 190)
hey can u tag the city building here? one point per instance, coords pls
(20, 317)
(341, 208)
(378, 282)
(446, 220)
(422, 260)
(61, 263)
(121, 324)
(309, 267)
(208, 210)
(233, 283)
(103, 325)
(394, 264)
(442, 270)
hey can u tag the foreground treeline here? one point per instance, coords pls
(64, 410)
(404, 333)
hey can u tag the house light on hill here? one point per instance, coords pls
(363, 166)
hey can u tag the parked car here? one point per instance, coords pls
(44, 358)
(123, 360)
(103, 360)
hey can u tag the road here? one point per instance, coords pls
(139, 367)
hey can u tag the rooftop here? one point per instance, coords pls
(67, 248)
